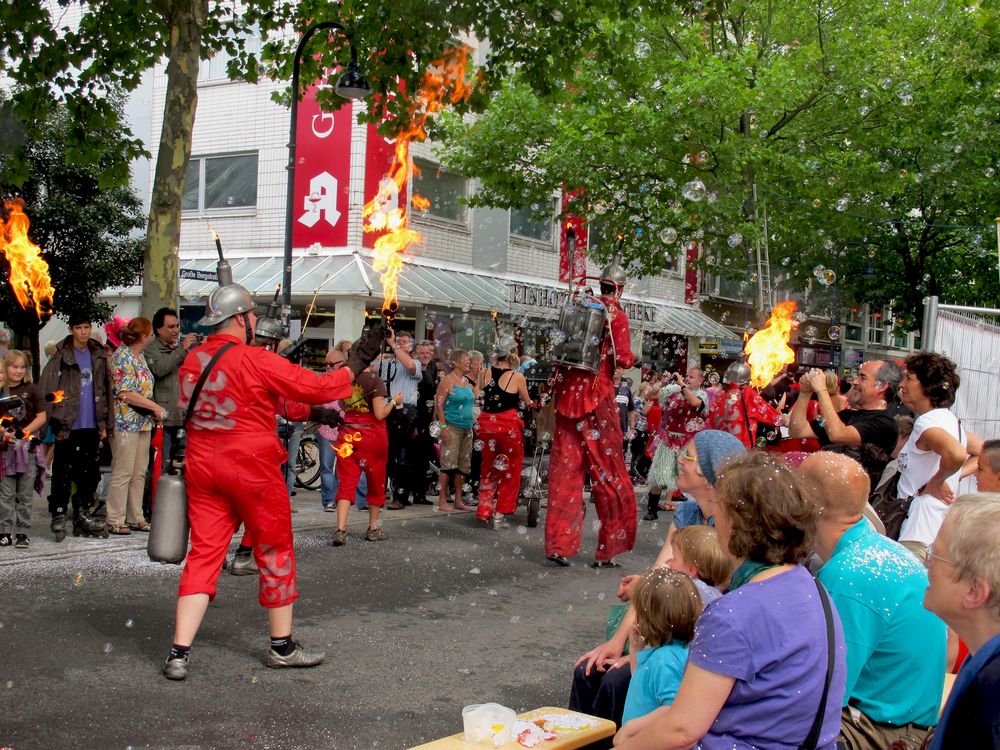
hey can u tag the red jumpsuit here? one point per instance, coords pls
(739, 410)
(502, 435)
(588, 434)
(369, 442)
(233, 461)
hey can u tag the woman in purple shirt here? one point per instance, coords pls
(758, 663)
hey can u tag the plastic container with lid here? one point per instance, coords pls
(488, 724)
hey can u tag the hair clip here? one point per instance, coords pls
(946, 385)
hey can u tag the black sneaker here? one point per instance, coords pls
(6, 541)
(21, 542)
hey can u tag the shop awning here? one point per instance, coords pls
(688, 322)
(344, 275)
(351, 274)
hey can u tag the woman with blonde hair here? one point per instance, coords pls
(453, 405)
(135, 415)
(501, 433)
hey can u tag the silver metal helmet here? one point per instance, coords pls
(614, 273)
(269, 328)
(737, 372)
(505, 345)
(224, 302)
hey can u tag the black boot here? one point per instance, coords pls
(652, 506)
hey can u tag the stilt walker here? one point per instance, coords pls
(588, 434)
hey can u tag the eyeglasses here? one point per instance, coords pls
(931, 555)
(333, 365)
(687, 456)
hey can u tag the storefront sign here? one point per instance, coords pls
(708, 346)
(731, 348)
(545, 296)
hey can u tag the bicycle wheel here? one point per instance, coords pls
(307, 464)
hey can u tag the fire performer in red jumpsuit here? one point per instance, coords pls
(742, 412)
(588, 435)
(233, 470)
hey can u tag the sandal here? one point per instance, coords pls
(141, 526)
(120, 529)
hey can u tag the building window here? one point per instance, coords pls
(446, 191)
(216, 68)
(216, 183)
(524, 223)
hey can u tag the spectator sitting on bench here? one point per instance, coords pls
(601, 677)
(895, 647)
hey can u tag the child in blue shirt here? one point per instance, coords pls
(667, 604)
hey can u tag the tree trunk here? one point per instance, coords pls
(163, 233)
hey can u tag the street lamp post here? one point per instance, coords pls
(351, 85)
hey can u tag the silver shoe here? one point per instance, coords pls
(298, 658)
(244, 564)
(176, 669)
(500, 521)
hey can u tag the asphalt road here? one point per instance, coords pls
(444, 614)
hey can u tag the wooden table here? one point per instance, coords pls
(568, 740)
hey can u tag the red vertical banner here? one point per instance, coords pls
(691, 272)
(572, 267)
(378, 160)
(322, 174)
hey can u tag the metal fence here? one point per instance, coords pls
(970, 337)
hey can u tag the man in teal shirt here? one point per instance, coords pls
(895, 647)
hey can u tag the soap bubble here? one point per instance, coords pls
(668, 236)
(828, 277)
(642, 49)
(695, 424)
(811, 332)
(904, 90)
(818, 271)
(694, 190)
(78, 578)
(434, 428)
(477, 445)
(842, 204)
(107, 648)
(466, 308)
(593, 435)
(735, 240)
(557, 337)
(990, 172)
(580, 426)
(833, 333)
(129, 623)
(817, 203)
(600, 208)
(501, 463)
(557, 16)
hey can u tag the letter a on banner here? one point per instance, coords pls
(322, 174)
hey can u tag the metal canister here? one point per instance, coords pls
(581, 334)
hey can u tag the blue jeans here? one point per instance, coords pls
(328, 477)
(294, 438)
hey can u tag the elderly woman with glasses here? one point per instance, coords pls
(963, 572)
(757, 673)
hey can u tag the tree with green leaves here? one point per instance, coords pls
(857, 136)
(73, 53)
(88, 231)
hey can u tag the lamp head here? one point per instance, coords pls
(352, 84)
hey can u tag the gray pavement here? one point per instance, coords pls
(444, 613)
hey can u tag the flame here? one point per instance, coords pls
(444, 78)
(56, 397)
(29, 273)
(767, 350)
(347, 447)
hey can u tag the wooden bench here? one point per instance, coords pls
(567, 740)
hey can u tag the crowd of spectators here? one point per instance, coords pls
(777, 613)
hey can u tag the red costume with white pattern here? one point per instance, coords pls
(585, 410)
(234, 457)
(739, 410)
